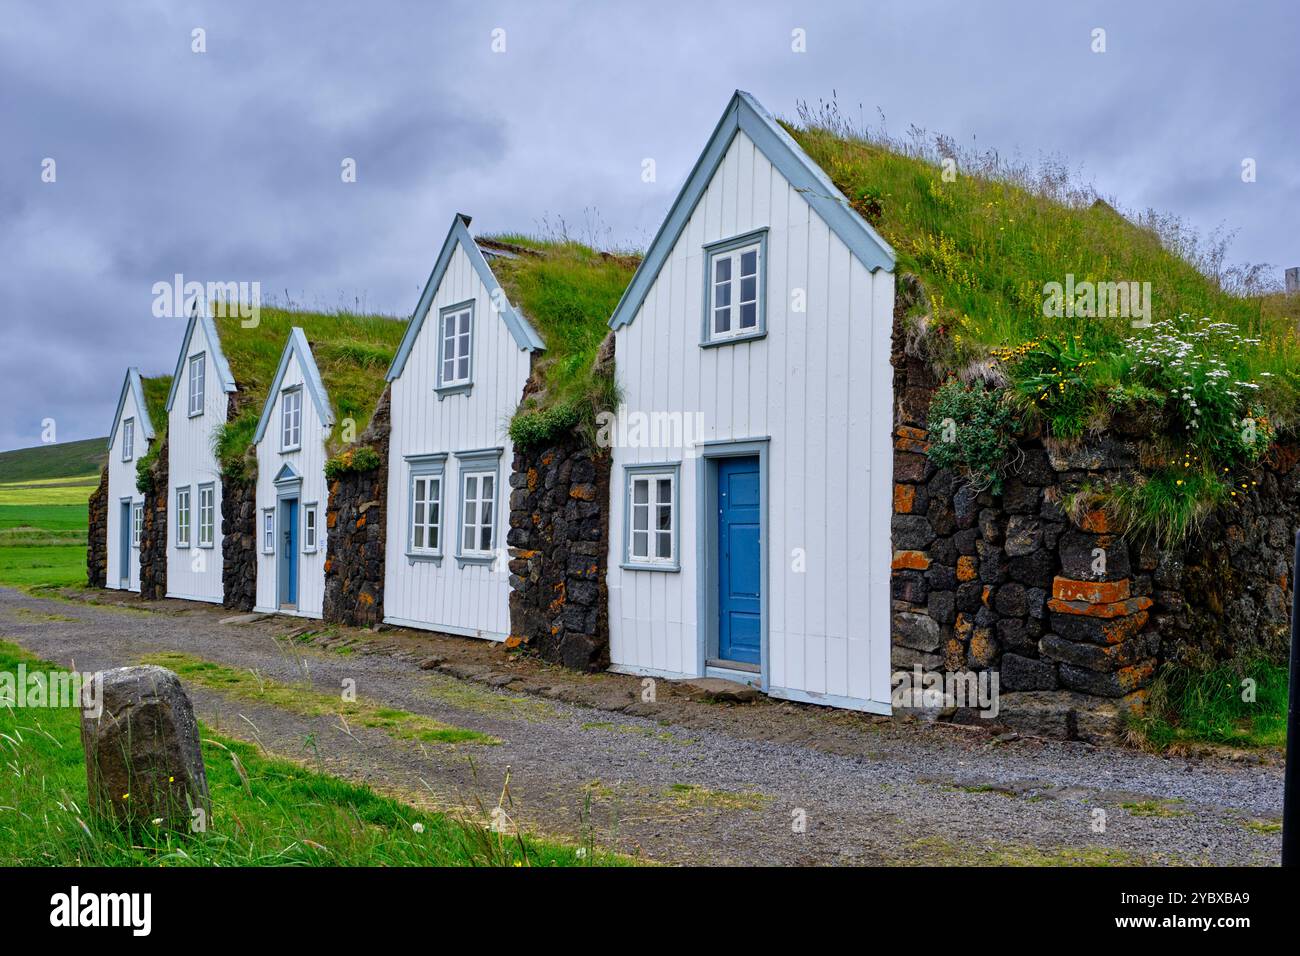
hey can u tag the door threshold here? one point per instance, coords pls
(727, 671)
(733, 665)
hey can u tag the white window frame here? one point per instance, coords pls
(137, 523)
(732, 251)
(183, 516)
(461, 342)
(310, 528)
(208, 491)
(475, 520)
(128, 439)
(291, 419)
(650, 476)
(197, 383)
(427, 500)
(268, 531)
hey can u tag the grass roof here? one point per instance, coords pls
(1215, 376)
(352, 351)
(567, 291)
(156, 389)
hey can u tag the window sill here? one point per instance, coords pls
(198, 414)
(182, 547)
(479, 559)
(734, 339)
(442, 391)
(633, 566)
(425, 557)
(290, 449)
(207, 547)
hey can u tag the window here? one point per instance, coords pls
(426, 513)
(128, 439)
(457, 326)
(182, 517)
(651, 517)
(478, 502)
(137, 524)
(291, 419)
(207, 514)
(268, 531)
(197, 366)
(309, 528)
(734, 288)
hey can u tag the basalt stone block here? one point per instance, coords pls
(1019, 498)
(965, 508)
(909, 467)
(920, 632)
(943, 552)
(1096, 630)
(1033, 570)
(1102, 455)
(909, 586)
(969, 596)
(1082, 554)
(1100, 657)
(1025, 673)
(984, 649)
(1125, 608)
(1035, 468)
(964, 540)
(1010, 600)
(1015, 637)
(942, 606)
(1091, 592)
(1118, 683)
(142, 749)
(941, 578)
(1036, 600)
(941, 517)
(990, 525)
(1024, 535)
(912, 532)
(992, 564)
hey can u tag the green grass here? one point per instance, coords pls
(42, 536)
(62, 460)
(984, 244)
(1187, 706)
(568, 291)
(266, 812)
(352, 351)
(303, 699)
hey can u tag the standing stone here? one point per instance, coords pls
(142, 750)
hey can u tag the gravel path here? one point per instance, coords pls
(680, 780)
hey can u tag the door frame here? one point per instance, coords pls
(125, 538)
(708, 568)
(288, 487)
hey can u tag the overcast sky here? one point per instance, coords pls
(225, 165)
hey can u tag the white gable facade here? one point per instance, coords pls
(196, 408)
(753, 543)
(128, 442)
(292, 492)
(456, 381)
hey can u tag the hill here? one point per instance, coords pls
(68, 459)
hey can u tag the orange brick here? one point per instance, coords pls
(967, 569)
(1092, 592)
(910, 560)
(904, 499)
(912, 439)
(1107, 611)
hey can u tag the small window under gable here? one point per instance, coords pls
(291, 419)
(128, 439)
(735, 289)
(455, 345)
(198, 365)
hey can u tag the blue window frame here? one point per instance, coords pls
(652, 517)
(735, 289)
(455, 349)
(426, 507)
(198, 368)
(478, 514)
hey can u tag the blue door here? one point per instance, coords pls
(289, 552)
(124, 547)
(740, 565)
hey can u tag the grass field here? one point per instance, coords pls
(43, 525)
(265, 812)
(72, 458)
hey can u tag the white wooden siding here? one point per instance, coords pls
(121, 484)
(819, 387)
(471, 600)
(309, 462)
(194, 572)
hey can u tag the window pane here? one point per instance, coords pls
(721, 269)
(722, 320)
(485, 516)
(640, 517)
(748, 315)
(433, 538)
(487, 485)
(468, 539)
(419, 512)
(419, 536)
(749, 262)
(449, 370)
(665, 491)
(485, 543)
(748, 289)
(449, 327)
(665, 540)
(722, 294)
(665, 521)
(640, 544)
(464, 323)
(462, 371)
(471, 487)
(640, 491)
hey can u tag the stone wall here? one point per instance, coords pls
(153, 538)
(238, 530)
(1076, 618)
(559, 530)
(97, 534)
(356, 528)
